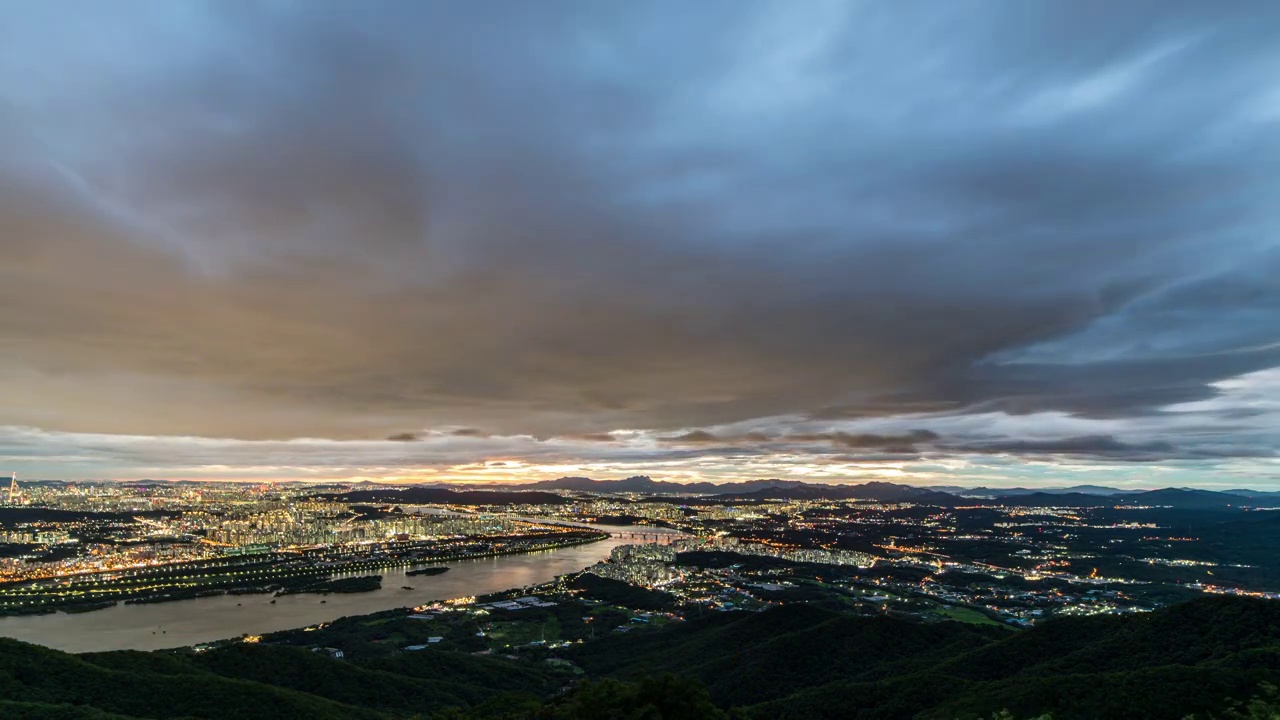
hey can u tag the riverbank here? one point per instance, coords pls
(274, 573)
(190, 622)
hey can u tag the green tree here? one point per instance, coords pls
(662, 698)
(1265, 706)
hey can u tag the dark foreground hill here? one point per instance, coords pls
(803, 662)
(794, 661)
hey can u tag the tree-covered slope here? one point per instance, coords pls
(253, 681)
(793, 661)
(746, 658)
(1165, 665)
(32, 674)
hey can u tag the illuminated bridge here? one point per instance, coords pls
(650, 536)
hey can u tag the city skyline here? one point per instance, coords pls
(1000, 244)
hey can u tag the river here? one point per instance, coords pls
(154, 626)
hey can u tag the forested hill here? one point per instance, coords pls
(804, 662)
(793, 661)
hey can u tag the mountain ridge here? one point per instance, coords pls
(552, 492)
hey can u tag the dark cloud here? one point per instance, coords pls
(1106, 447)
(1088, 445)
(905, 443)
(883, 405)
(308, 220)
(693, 436)
(595, 437)
(868, 440)
(403, 437)
(887, 456)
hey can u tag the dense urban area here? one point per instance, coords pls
(705, 572)
(1012, 558)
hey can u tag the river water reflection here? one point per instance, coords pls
(188, 622)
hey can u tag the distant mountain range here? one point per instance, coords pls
(1078, 495)
(1007, 492)
(647, 485)
(1184, 498)
(1255, 494)
(881, 490)
(439, 496)
(553, 492)
(877, 491)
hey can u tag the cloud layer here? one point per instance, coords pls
(745, 232)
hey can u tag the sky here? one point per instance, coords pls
(964, 243)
